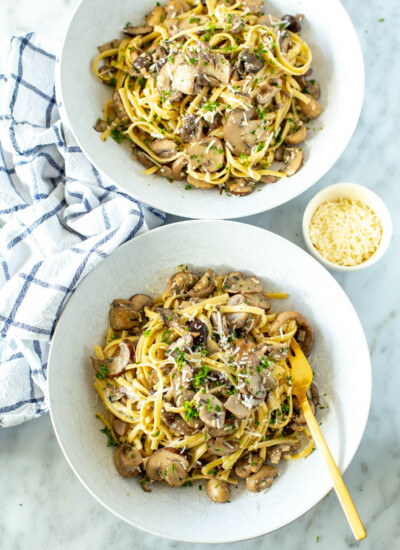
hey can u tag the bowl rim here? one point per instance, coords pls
(366, 409)
(248, 209)
(367, 196)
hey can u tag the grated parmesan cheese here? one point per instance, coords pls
(345, 232)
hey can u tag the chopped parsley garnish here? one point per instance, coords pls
(200, 376)
(103, 371)
(117, 136)
(190, 410)
(111, 441)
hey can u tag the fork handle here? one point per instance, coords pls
(338, 483)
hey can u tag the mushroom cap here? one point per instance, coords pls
(294, 161)
(230, 427)
(257, 299)
(306, 343)
(127, 460)
(181, 282)
(218, 490)
(204, 286)
(164, 148)
(140, 301)
(297, 137)
(176, 423)
(177, 168)
(120, 427)
(236, 320)
(312, 109)
(248, 285)
(248, 465)
(220, 447)
(292, 23)
(116, 365)
(208, 153)
(168, 465)
(240, 187)
(242, 130)
(211, 409)
(199, 327)
(262, 479)
(234, 405)
(216, 67)
(123, 315)
(135, 31)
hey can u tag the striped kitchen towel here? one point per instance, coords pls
(58, 219)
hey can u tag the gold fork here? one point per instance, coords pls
(301, 379)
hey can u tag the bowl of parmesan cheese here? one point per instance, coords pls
(347, 227)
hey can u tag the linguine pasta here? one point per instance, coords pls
(212, 92)
(196, 384)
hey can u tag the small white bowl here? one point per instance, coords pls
(354, 192)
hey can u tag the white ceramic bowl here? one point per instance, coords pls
(355, 192)
(338, 66)
(340, 359)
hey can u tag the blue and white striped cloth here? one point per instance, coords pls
(58, 219)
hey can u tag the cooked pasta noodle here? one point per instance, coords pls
(196, 383)
(212, 92)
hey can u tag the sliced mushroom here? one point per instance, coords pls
(181, 282)
(176, 423)
(257, 299)
(231, 426)
(198, 326)
(218, 490)
(304, 333)
(211, 410)
(119, 107)
(168, 465)
(219, 323)
(184, 343)
(164, 148)
(171, 320)
(248, 285)
(236, 320)
(274, 454)
(207, 153)
(181, 377)
(177, 168)
(269, 89)
(109, 45)
(220, 447)
(122, 315)
(296, 137)
(127, 460)
(176, 7)
(101, 125)
(120, 427)
(214, 68)
(242, 131)
(292, 23)
(116, 365)
(240, 187)
(140, 301)
(268, 179)
(143, 61)
(248, 465)
(253, 6)
(235, 23)
(312, 109)
(165, 83)
(191, 129)
(234, 405)
(248, 63)
(199, 183)
(294, 160)
(204, 286)
(309, 85)
(135, 31)
(108, 71)
(155, 17)
(262, 479)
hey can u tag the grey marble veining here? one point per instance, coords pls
(44, 506)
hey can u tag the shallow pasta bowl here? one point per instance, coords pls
(337, 65)
(340, 360)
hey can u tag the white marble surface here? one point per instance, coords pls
(44, 506)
